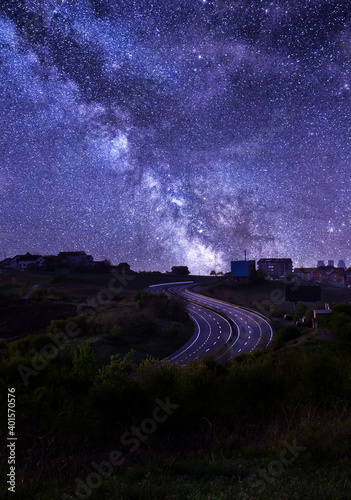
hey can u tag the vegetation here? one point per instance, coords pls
(339, 321)
(226, 422)
(49, 293)
(285, 334)
(268, 297)
(116, 323)
(300, 311)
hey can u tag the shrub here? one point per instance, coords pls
(340, 325)
(300, 311)
(58, 294)
(134, 323)
(342, 308)
(161, 305)
(141, 325)
(85, 363)
(25, 288)
(39, 293)
(56, 326)
(141, 297)
(285, 334)
(339, 321)
(81, 323)
(308, 317)
(116, 332)
(24, 346)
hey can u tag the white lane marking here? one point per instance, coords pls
(198, 334)
(234, 310)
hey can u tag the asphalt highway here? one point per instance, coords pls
(222, 329)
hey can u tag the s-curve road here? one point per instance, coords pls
(221, 328)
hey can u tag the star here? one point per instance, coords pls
(176, 133)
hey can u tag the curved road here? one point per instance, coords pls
(222, 329)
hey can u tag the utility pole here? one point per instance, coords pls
(245, 254)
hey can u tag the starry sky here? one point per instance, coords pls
(176, 132)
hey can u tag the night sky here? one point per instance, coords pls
(176, 132)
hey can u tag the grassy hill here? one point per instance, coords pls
(268, 297)
(93, 421)
(116, 322)
(267, 425)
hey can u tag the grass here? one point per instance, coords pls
(19, 318)
(83, 285)
(90, 284)
(158, 346)
(230, 479)
(244, 475)
(230, 425)
(224, 439)
(268, 297)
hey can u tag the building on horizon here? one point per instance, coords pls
(277, 268)
(26, 262)
(305, 273)
(320, 263)
(64, 262)
(331, 263)
(323, 274)
(329, 274)
(76, 258)
(341, 263)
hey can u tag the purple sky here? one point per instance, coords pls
(176, 132)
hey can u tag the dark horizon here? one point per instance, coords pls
(156, 269)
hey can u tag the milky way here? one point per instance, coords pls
(176, 132)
